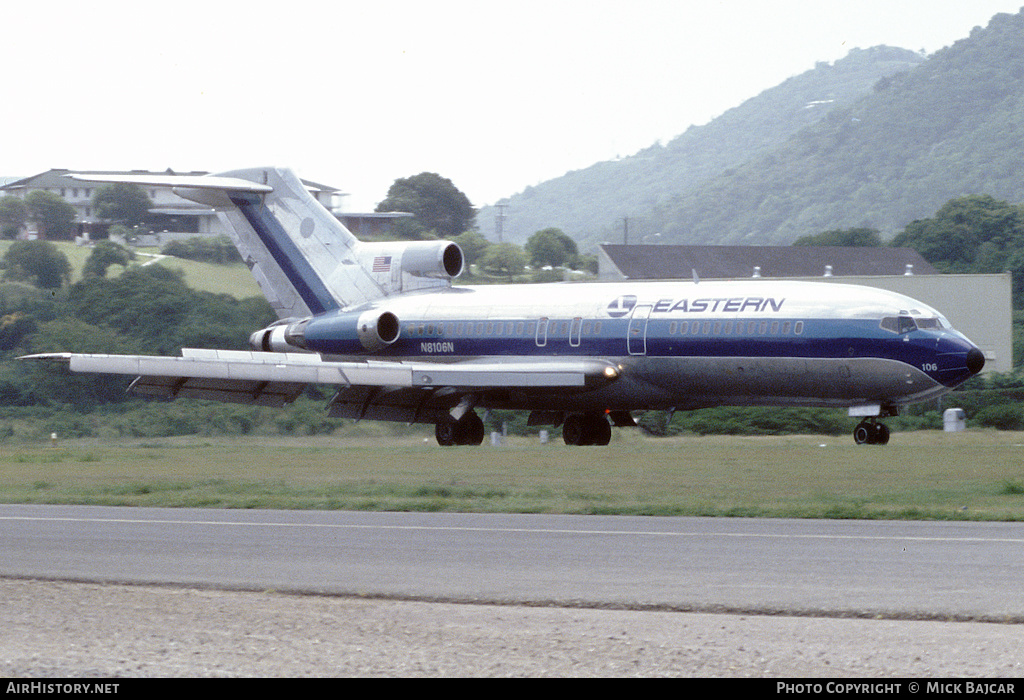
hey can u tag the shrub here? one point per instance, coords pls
(1001, 416)
(218, 250)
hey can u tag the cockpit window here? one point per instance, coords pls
(898, 324)
(929, 324)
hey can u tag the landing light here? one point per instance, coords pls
(611, 372)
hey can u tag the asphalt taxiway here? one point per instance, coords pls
(840, 568)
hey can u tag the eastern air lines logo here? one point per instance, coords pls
(622, 306)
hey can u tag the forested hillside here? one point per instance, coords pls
(595, 198)
(928, 131)
(950, 127)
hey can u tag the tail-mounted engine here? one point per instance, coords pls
(405, 266)
(340, 333)
(280, 336)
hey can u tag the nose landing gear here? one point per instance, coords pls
(871, 432)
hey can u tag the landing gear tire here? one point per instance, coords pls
(602, 431)
(444, 431)
(468, 430)
(869, 432)
(590, 429)
(574, 431)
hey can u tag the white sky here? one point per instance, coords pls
(494, 95)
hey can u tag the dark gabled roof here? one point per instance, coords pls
(732, 262)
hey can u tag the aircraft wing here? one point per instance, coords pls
(371, 389)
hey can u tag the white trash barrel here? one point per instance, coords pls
(954, 420)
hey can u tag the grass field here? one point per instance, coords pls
(977, 475)
(234, 279)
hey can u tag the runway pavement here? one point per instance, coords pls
(921, 570)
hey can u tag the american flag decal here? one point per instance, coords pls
(382, 263)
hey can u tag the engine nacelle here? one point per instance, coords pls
(437, 259)
(339, 333)
(281, 336)
(403, 266)
(377, 330)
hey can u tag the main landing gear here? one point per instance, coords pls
(468, 430)
(871, 432)
(578, 429)
(586, 429)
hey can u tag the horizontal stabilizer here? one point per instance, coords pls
(196, 182)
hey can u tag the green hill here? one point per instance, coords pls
(879, 139)
(585, 202)
(948, 128)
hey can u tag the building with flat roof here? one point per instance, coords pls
(617, 262)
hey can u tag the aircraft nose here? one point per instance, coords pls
(957, 360)
(975, 360)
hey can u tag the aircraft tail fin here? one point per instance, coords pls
(302, 257)
(304, 260)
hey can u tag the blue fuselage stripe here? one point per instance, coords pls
(286, 254)
(939, 354)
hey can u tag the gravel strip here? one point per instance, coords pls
(55, 629)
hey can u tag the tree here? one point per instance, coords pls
(146, 303)
(153, 306)
(552, 247)
(436, 204)
(37, 262)
(504, 258)
(847, 238)
(122, 202)
(955, 239)
(13, 215)
(81, 391)
(54, 217)
(474, 246)
(105, 254)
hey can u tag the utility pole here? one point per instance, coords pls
(499, 220)
(625, 230)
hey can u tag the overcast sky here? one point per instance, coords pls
(496, 96)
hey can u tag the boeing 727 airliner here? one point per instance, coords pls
(383, 324)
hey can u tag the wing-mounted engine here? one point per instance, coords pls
(407, 266)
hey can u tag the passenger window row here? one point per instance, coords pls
(514, 329)
(561, 328)
(741, 328)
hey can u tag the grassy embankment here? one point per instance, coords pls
(232, 279)
(925, 475)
